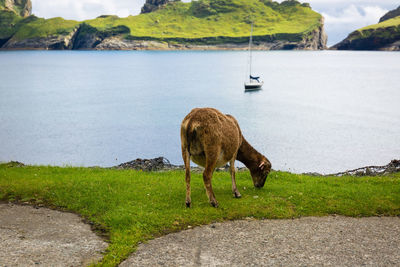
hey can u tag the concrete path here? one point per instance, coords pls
(333, 240)
(44, 237)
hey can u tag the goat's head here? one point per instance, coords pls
(260, 173)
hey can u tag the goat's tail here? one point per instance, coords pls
(191, 133)
(186, 134)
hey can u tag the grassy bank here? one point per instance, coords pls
(134, 206)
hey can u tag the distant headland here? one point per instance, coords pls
(198, 25)
(169, 25)
(382, 36)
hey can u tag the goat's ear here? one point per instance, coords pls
(262, 165)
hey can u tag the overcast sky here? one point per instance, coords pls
(341, 16)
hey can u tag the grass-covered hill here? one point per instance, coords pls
(382, 36)
(202, 22)
(211, 18)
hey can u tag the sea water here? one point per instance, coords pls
(318, 111)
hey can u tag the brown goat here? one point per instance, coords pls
(211, 139)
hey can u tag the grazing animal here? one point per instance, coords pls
(211, 139)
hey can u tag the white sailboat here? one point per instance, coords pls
(254, 83)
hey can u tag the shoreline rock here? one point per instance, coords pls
(98, 41)
(163, 164)
(392, 167)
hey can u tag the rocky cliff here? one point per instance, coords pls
(382, 36)
(152, 5)
(203, 24)
(22, 8)
(391, 14)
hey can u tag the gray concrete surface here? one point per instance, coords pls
(326, 241)
(44, 237)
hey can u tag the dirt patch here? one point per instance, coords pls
(32, 236)
(326, 241)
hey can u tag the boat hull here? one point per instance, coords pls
(253, 86)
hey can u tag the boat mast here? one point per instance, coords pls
(251, 40)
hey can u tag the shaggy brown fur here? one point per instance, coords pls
(211, 139)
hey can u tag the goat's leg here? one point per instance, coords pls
(186, 160)
(235, 191)
(211, 160)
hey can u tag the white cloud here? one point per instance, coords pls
(340, 22)
(362, 15)
(85, 9)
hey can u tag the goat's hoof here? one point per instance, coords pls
(188, 204)
(237, 195)
(214, 204)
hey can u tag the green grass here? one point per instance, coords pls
(202, 21)
(2, 4)
(8, 23)
(20, 28)
(212, 18)
(387, 23)
(134, 206)
(38, 27)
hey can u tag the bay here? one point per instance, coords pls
(319, 111)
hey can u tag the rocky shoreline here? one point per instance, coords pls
(163, 164)
(392, 167)
(160, 164)
(85, 37)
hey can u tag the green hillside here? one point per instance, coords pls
(2, 4)
(8, 22)
(39, 27)
(380, 36)
(20, 28)
(211, 18)
(202, 21)
(394, 22)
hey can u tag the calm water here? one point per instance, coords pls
(319, 111)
